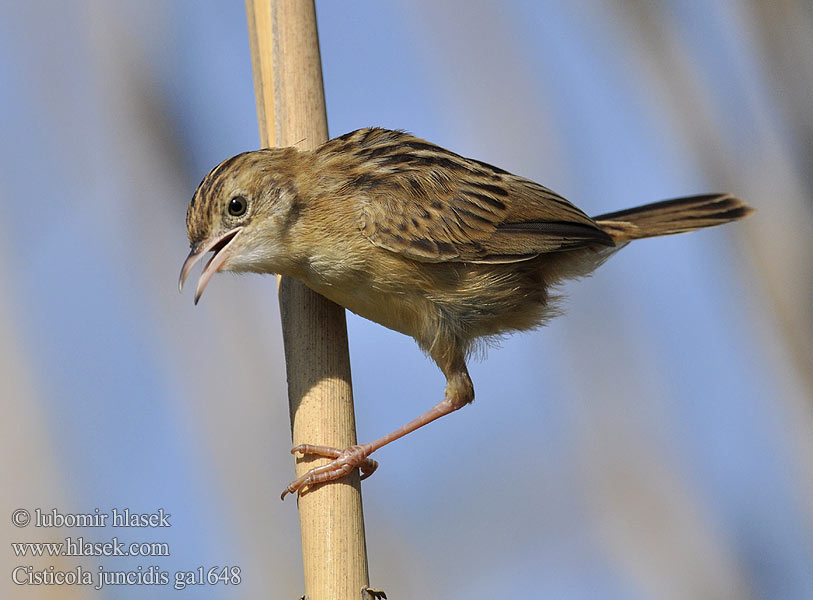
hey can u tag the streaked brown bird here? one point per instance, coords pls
(446, 249)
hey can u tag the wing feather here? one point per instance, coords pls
(432, 205)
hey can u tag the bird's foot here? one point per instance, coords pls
(344, 461)
(367, 592)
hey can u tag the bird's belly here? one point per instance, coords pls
(399, 311)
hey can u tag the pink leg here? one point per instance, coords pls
(343, 462)
(459, 392)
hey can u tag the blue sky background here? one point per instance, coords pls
(654, 443)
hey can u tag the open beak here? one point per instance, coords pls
(220, 247)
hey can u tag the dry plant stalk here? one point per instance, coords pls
(291, 110)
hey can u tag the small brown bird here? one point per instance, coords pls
(446, 249)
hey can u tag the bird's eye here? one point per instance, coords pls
(238, 206)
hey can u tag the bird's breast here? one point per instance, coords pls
(369, 288)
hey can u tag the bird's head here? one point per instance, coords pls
(241, 212)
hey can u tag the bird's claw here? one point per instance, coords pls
(368, 592)
(342, 463)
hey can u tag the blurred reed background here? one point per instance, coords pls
(657, 442)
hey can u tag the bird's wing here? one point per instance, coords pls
(432, 205)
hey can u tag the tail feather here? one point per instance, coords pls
(673, 216)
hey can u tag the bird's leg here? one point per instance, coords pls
(459, 392)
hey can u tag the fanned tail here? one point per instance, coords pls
(673, 216)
